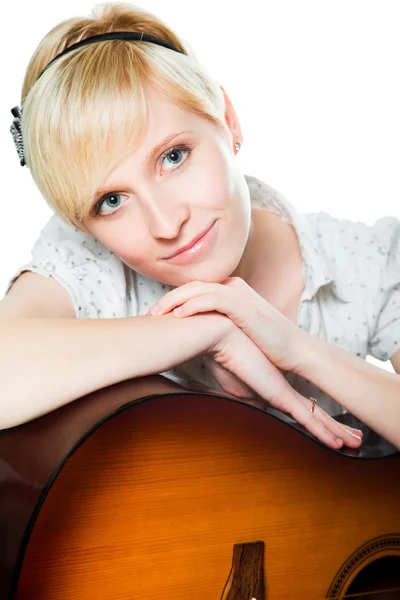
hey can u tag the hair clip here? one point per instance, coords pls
(16, 132)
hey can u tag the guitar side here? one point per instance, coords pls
(149, 497)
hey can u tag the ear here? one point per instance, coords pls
(232, 119)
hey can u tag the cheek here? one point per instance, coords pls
(208, 181)
(138, 257)
(132, 247)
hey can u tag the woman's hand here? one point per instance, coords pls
(237, 361)
(276, 336)
(258, 336)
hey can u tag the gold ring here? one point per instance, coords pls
(313, 403)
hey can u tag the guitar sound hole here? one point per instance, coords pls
(382, 574)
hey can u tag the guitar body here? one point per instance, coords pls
(143, 491)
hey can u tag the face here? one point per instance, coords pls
(150, 208)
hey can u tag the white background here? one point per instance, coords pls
(315, 84)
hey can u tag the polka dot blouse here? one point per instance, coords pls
(351, 271)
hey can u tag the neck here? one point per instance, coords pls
(272, 262)
(262, 251)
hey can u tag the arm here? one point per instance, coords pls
(48, 362)
(368, 392)
(64, 358)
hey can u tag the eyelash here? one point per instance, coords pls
(99, 203)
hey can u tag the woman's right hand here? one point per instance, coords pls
(241, 368)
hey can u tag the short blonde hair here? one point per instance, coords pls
(89, 108)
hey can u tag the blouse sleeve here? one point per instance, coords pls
(95, 278)
(385, 338)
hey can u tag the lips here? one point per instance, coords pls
(190, 244)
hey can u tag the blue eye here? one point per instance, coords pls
(175, 155)
(111, 200)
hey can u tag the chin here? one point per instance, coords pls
(210, 271)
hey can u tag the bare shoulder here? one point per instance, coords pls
(33, 295)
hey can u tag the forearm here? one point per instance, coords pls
(46, 363)
(368, 392)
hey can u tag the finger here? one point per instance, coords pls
(314, 425)
(181, 295)
(268, 382)
(238, 282)
(350, 437)
(319, 419)
(277, 391)
(211, 302)
(201, 304)
(353, 429)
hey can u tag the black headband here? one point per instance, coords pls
(114, 35)
(16, 129)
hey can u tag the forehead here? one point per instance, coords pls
(165, 116)
(160, 107)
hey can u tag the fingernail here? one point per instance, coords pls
(178, 310)
(339, 441)
(356, 436)
(357, 431)
(154, 309)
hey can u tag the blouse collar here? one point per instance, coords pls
(318, 272)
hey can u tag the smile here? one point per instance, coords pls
(199, 247)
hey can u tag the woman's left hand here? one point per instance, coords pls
(280, 340)
(276, 336)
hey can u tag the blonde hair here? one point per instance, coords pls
(89, 107)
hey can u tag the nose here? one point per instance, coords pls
(164, 215)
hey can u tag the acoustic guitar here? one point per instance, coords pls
(147, 490)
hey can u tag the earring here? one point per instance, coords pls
(237, 146)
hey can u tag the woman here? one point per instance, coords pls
(133, 146)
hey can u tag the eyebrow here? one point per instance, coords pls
(149, 158)
(153, 153)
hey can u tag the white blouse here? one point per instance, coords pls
(351, 271)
